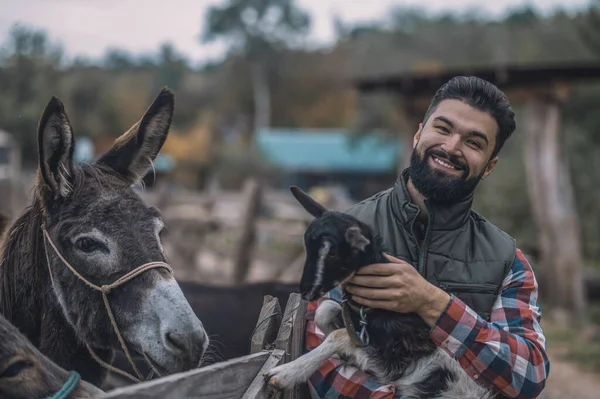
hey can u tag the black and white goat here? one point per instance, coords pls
(394, 347)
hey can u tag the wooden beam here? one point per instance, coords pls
(267, 324)
(245, 244)
(552, 201)
(284, 337)
(224, 380)
(300, 391)
(259, 389)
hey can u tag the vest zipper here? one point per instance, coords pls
(425, 245)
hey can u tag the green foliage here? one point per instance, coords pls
(255, 27)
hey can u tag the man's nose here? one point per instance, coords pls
(452, 144)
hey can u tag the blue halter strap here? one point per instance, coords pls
(68, 388)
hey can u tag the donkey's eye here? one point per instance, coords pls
(14, 369)
(87, 244)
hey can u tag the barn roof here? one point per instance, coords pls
(426, 82)
(320, 150)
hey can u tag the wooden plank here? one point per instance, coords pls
(224, 380)
(259, 389)
(245, 244)
(267, 324)
(284, 336)
(297, 347)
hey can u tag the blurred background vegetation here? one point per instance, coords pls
(267, 79)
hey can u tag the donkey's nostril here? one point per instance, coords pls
(176, 341)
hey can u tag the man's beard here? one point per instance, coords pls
(438, 186)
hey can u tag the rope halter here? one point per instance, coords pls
(105, 289)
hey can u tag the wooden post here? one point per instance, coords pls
(412, 111)
(267, 324)
(243, 256)
(552, 200)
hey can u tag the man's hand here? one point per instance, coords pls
(397, 286)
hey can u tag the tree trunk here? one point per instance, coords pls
(262, 97)
(552, 199)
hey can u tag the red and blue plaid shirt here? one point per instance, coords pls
(507, 353)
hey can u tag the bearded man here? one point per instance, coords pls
(462, 275)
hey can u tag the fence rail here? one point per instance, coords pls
(278, 338)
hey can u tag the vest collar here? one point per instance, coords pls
(445, 217)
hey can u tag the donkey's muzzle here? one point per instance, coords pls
(186, 345)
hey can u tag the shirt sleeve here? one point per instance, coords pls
(507, 353)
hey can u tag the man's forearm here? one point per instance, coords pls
(516, 365)
(435, 307)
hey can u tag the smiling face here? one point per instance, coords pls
(453, 151)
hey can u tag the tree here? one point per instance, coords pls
(256, 30)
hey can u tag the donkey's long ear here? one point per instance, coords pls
(133, 153)
(312, 206)
(55, 150)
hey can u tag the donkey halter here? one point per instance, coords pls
(105, 289)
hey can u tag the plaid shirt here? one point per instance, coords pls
(508, 353)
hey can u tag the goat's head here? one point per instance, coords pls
(336, 245)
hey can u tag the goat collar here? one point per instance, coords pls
(359, 338)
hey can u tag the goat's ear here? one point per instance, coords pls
(312, 206)
(356, 239)
(134, 151)
(55, 150)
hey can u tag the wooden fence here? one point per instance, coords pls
(278, 338)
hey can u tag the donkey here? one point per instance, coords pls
(82, 270)
(25, 373)
(394, 347)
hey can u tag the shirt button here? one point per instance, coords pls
(476, 376)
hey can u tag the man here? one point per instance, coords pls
(465, 277)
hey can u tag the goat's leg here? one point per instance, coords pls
(299, 371)
(328, 317)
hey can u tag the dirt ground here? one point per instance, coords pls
(568, 379)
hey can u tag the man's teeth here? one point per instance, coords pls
(446, 164)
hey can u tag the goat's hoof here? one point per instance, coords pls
(280, 378)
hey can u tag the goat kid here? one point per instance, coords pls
(394, 347)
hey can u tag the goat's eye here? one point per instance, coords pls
(14, 369)
(333, 253)
(87, 244)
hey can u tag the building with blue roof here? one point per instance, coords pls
(316, 157)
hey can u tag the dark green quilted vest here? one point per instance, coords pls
(461, 253)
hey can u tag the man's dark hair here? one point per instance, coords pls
(482, 95)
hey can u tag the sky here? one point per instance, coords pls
(90, 27)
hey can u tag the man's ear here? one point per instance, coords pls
(417, 135)
(490, 166)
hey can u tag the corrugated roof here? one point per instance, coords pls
(326, 150)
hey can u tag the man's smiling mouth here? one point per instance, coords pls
(445, 163)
